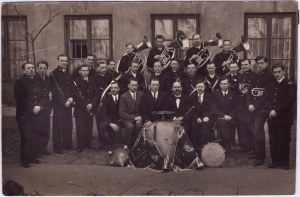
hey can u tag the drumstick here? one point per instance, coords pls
(188, 112)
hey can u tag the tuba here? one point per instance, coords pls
(168, 53)
(205, 52)
(242, 46)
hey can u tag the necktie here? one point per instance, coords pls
(200, 98)
(177, 101)
(155, 95)
(116, 98)
(225, 94)
(85, 78)
(133, 96)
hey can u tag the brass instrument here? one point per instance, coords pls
(257, 92)
(205, 52)
(168, 53)
(241, 46)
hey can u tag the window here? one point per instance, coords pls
(272, 35)
(167, 25)
(14, 46)
(88, 34)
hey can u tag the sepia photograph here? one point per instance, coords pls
(134, 98)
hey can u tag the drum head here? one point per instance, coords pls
(213, 155)
(118, 156)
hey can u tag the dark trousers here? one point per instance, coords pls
(224, 129)
(110, 136)
(62, 128)
(131, 132)
(29, 138)
(84, 129)
(43, 127)
(200, 134)
(280, 137)
(101, 136)
(245, 135)
(258, 122)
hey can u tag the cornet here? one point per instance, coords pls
(257, 92)
(241, 46)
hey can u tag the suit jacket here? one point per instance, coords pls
(212, 84)
(203, 109)
(61, 86)
(128, 108)
(125, 62)
(224, 105)
(153, 52)
(234, 82)
(139, 77)
(85, 93)
(45, 81)
(281, 98)
(172, 77)
(149, 104)
(110, 109)
(184, 105)
(162, 81)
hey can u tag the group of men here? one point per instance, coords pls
(223, 94)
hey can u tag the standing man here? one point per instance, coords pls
(189, 82)
(111, 125)
(157, 73)
(128, 58)
(85, 99)
(281, 96)
(212, 80)
(233, 76)
(90, 61)
(173, 75)
(30, 99)
(221, 59)
(192, 57)
(62, 90)
(257, 105)
(153, 100)
(111, 70)
(130, 111)
(201, 117)
(154, 53)
(44, 123)
(224, 108)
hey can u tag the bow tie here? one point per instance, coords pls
(178, 97)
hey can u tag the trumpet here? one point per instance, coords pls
(243, 45)
(205, 52)
(168, 53)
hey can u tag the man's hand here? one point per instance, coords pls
(138, 119)
(205, 119)
(71, 100)
(225, 63)
(36, 109)
(244, 91)
(272, 114)
(199, 120)
(89, 106)
(156, 57)
(148, 122)
(114, 127)
(251, 108)
(67, 104)
(193, 57)
(227, 118)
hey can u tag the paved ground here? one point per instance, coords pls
(87, 173)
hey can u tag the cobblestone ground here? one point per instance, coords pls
(11, 147)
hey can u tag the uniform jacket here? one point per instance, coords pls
(128, 108)
(188, 84)
(172, 77)
(153, 52)
(150, 104)
(194, 51)
(139, 77)
(76, 74)
(212, 84)
(45, 81)
(218, 61)
(125, 62)
(162, 81)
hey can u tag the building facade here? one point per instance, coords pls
(41, 31)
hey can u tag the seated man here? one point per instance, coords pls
(111, 124)
(224, 108)
(201, 117)
(153, 100)
(129, 111)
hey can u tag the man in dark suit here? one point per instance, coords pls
(191, 56)
(90, 60)
(201, 117)
(29, 95)
(180, 104)
(62, 89)
(127, 59)
(281, 96)
(85, 98)
(154, 53)
(212, 80)
(189, 82)
(157, 73)
(173, 75)
(111, 125)
(224, 108)
(130, 111)
(132, 73)
(153, 101)
(257, 105)
(111, 70)
(44, 124)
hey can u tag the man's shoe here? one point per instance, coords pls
(59, 151)
(273, 165)
(46, 152)
(258, 163)
(285, 167)
(36, 161)
(25, 165)
(79, 150)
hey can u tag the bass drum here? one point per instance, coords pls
(213, 155)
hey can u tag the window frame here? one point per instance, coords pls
(6, 68)
(268, 16)
(88, 18)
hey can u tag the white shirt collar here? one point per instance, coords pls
(212, 76)
(133, 74)
(225, 92)
(280, 80)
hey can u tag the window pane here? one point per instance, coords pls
(100, 29)
(188, 26)
(281, 27)
(17, 49)
(16, 30)
(101, 48)
(78, 48)
(281, 48)
(78, 29)
(15, 71)
(257, 47)
(257, 28)
(165, 28)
